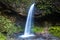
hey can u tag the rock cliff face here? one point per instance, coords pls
(42, 7)
(45, 10)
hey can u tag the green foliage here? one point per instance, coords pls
(2, 37)
(17, 2)
(7, 26)
(26, 2)
(55, 30)
(37, 29)
(44, 5)
(9, 1)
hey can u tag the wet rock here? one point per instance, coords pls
(36, 37)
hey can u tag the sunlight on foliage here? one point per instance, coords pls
(2, 37)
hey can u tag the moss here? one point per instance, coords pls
(2, 37)
(37, 29)
(55, 30)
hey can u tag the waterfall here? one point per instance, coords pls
(28, 26)
(29, 20)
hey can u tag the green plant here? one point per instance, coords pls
(2, 37)
(37, 29)
(55, 30)
(7, 26)
(45, 6)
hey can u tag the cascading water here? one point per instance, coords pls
(27, 32)
(29, 20)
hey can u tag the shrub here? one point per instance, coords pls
(7, 26)
(55, 30)
(2, 37)
(38, 29)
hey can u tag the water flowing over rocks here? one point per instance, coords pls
(37, 37)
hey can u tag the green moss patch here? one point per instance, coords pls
(2, 37)
(38, 29)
